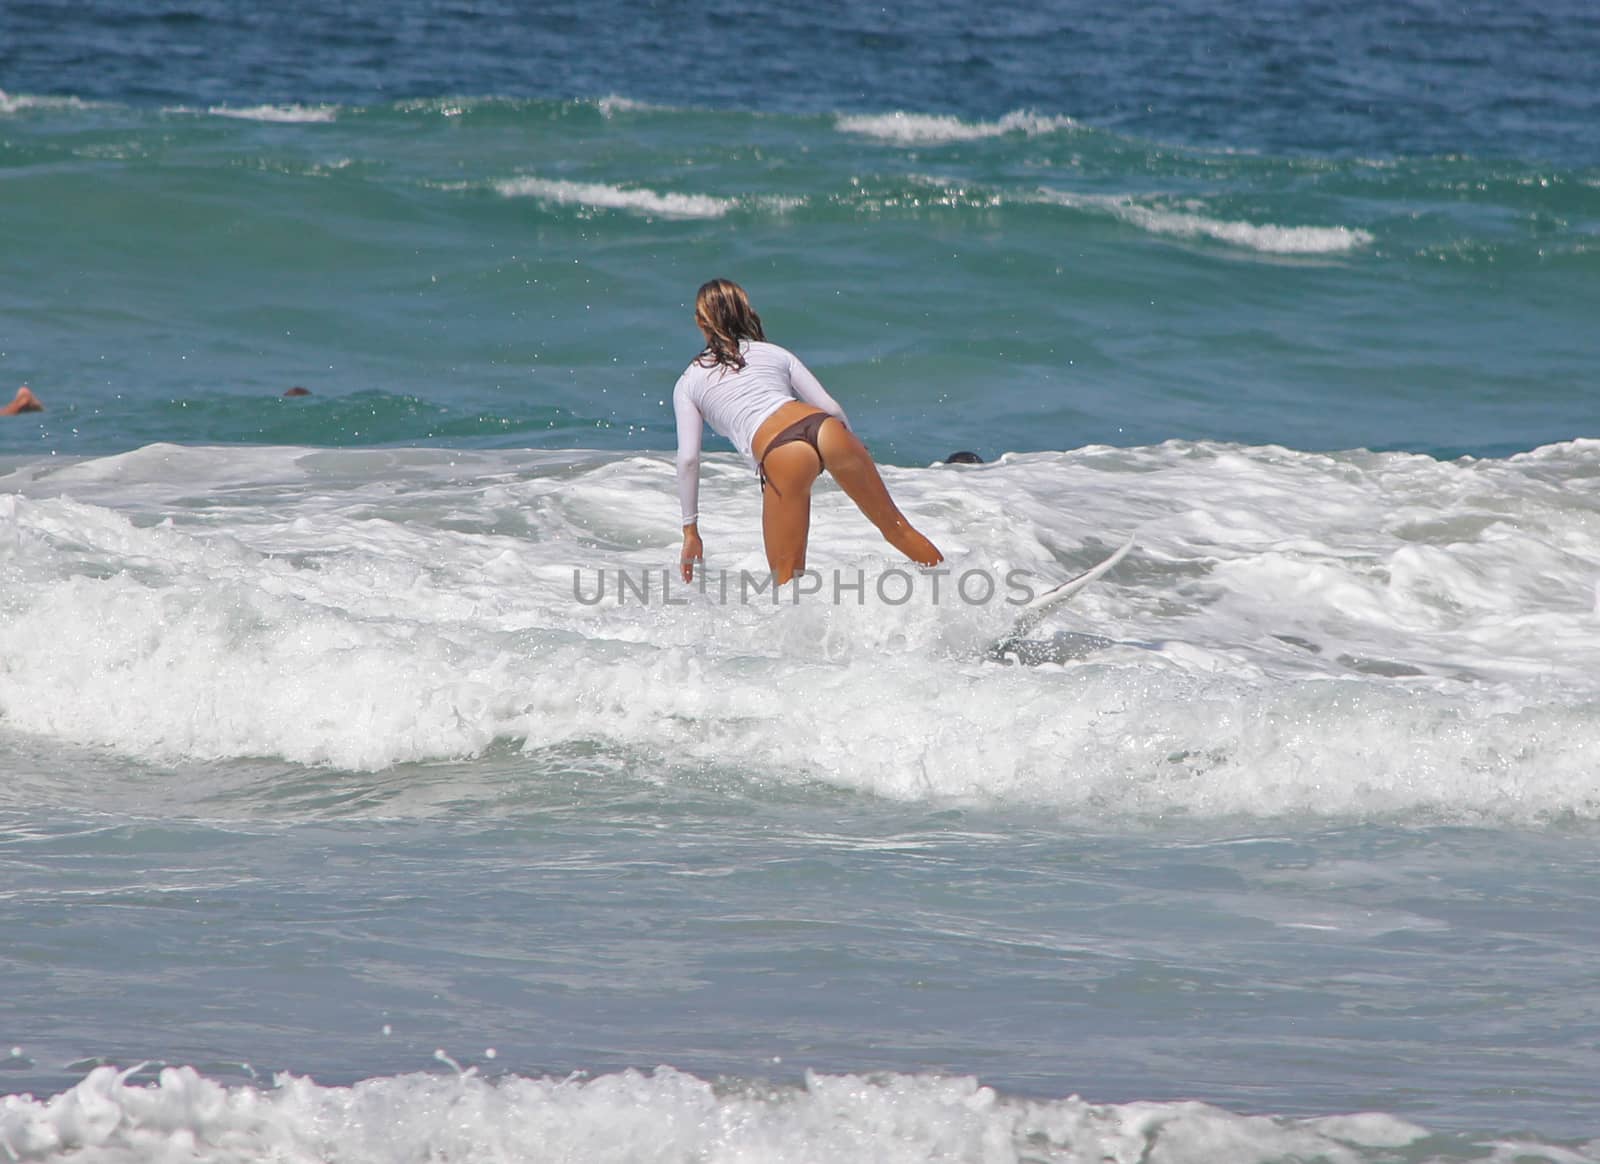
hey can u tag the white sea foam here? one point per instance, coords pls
(664, 1116)
(939, 129)
(21, 103)
(1366, 635)
(606, 197)
(288, 114)
(1267, 238)
(613, 104)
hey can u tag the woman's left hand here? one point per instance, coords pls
(693, 551)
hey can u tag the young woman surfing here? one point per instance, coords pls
(775, 412)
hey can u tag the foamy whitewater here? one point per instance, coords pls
(1362, 634)
(660, 1116)
(1307, 660)
(372, 789)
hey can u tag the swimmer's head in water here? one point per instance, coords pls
(722, 311)
(963, 458)
(297, 390)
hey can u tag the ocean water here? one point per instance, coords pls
(369, 790)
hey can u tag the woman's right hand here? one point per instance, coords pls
(693, 551)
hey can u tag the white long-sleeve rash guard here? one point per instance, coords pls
(735, 402)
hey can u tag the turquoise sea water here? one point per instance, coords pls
(511, 272)
(336, 823)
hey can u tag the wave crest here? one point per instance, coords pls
(1267, 238)
(602, 196)
(23, 102)
(939, 129)
(885, 1118)
(281, 114)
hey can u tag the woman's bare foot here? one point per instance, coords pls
(24, 401)
(910, 541)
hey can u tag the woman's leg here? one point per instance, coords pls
(786, 507)
(851, 465)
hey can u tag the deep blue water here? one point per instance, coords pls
(1495, 80)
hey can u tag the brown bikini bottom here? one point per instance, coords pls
(804, 429)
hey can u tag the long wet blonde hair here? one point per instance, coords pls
(722, 310)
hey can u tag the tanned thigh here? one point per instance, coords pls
(786, 506)
(852, 466)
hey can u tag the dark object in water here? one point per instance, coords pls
(963, 458)
(298, 391)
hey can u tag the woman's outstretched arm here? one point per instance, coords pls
(691, 426)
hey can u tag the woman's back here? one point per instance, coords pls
(735, 401)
